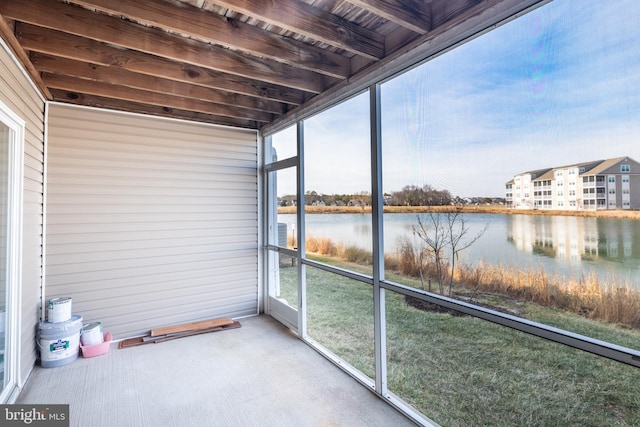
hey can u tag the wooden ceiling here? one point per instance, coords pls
(231, 62)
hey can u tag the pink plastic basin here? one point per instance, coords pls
(99, 349)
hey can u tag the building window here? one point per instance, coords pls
(612, 191)
(625, 178)
(612, 179)
(625, 168)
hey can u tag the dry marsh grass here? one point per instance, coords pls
(588, 296)
(325, 246)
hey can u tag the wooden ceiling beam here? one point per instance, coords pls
(414, 15)
(212, 28)
(119, 76)
(444, 10)
(63, 45)
(7, 33)
(313, 22)
(82, 99)
(122, 93)
(82, 22)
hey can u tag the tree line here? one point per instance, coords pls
(409, 195)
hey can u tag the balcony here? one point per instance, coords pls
(256, 375)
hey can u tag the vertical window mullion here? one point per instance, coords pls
(302, 282)
(379, 320)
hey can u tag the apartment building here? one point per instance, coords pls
(601, 184)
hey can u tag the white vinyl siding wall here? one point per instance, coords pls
(23, 99)
(150, 222)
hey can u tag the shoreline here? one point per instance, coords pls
(604, 213)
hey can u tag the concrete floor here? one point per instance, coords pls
(257, 375)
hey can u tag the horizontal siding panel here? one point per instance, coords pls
(33, 155)
(118, 278)
(33, 174)
(33, 198)
(178, 173)
(164, 291)
(31, 185)
(142, 190)
(99, 238)
(125, 310)
(141, 200)
(149, 244)
(200, 135)
(208, 147)
(123, 256)
(133, 285)
(139, 264)
(239, 216)
(119, 208)
(202, 182)
(135, 168)
(121, 275)
(151, 159)
(150, 219)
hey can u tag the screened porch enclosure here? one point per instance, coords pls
(335, 175)
(382, 204)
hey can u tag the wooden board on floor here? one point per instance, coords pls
(205, 324)
(148, 339)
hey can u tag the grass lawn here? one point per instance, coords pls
(463, 371)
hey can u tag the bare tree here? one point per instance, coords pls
(458, 240)
(442, 231)
(433, 235)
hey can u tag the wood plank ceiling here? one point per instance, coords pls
(232, 62)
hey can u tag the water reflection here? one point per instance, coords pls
(562, 244)
(576, 239)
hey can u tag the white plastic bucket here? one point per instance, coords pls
(92, 334)
(59, 310)
(59, 343)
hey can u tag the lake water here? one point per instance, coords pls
(562, 244)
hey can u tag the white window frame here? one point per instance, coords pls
(15, 177)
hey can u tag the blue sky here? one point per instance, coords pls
(560, 85)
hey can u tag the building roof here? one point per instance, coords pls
(606, 164)
(545, 176)
(536, 173)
